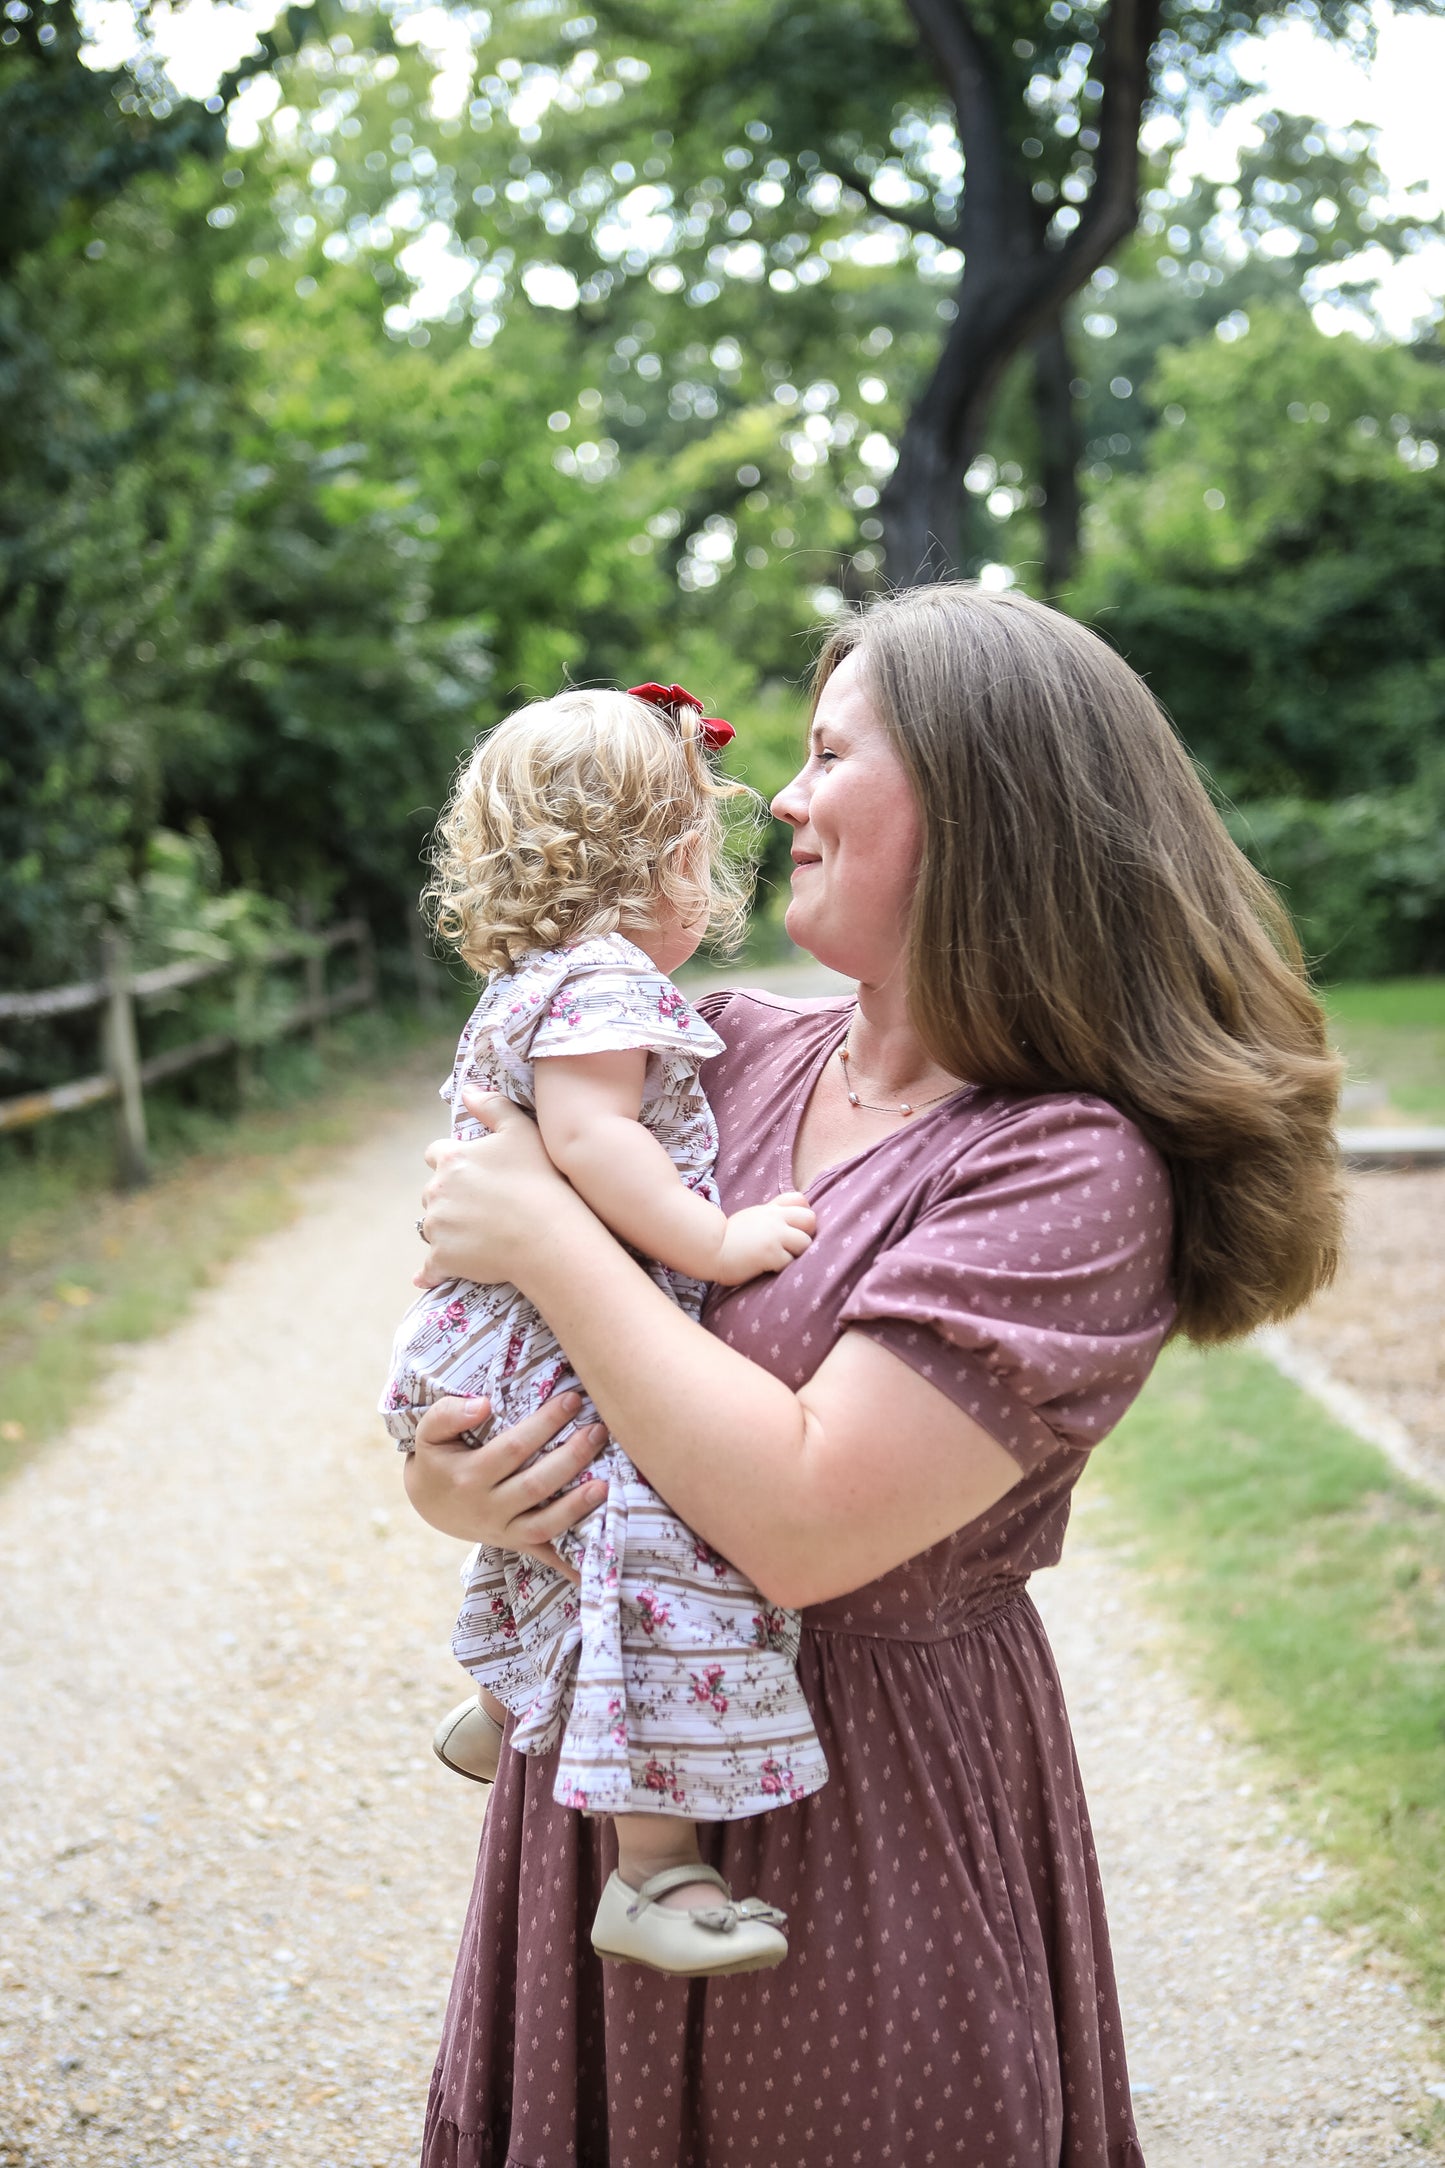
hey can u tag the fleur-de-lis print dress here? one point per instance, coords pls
(948, 1994)
(669, 1679)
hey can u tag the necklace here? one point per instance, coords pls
(907, 1107)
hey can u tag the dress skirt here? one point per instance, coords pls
(948, 1995)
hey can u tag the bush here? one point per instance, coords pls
(1275, 572)
(1364, 877)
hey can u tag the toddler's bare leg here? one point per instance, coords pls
(496, 1710)
(648, 1843)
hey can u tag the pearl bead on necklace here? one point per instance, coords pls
(907, 1106)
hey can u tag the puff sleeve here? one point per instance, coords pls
(1031, 1284)
(602, 997)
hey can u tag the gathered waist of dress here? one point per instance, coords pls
(895, 1610)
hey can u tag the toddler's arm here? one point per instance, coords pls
(587, 1110)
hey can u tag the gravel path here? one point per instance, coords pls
(231, 1877)
(1378, 1329)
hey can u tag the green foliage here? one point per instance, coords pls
(304, 479)
(1309, 1585)
(1364, 877)
(1274, 572)
(1304, 203)
(72, 136)
(262, 566)
(180, 912)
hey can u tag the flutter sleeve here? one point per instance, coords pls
(607, 997)
(1032, 1283)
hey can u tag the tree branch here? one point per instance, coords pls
(914, 216)
(990, 205)
(1112, 211)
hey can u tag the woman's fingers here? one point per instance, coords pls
(529, 1530)
(514, 1446)
(537, 1485)
(445, 1420)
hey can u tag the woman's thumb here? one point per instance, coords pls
(492, 1109)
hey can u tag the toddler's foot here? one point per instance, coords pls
(691, 1941)
(469, 1740)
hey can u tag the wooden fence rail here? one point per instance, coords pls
(124, 1076)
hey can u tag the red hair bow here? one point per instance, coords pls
(672, 698)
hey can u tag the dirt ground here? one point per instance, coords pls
(1381, 1328)
(232, 1878)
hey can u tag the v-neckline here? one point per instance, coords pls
(802, 1098)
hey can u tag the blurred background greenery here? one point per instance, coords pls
(414, 360)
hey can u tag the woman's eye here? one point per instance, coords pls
(826, 753)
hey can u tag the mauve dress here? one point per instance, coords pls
(948, 1996)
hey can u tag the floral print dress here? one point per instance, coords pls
(667, 1678)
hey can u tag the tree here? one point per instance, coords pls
(997, 148)
(242, 577)
(1294, 221)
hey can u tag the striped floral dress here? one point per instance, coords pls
(668, 1679)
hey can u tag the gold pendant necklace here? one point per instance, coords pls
(907, 1107)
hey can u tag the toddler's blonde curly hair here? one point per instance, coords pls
(577, 816)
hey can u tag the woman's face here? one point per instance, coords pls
(856, 837)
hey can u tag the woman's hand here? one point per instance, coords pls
(486, 1201)
(486, 1494)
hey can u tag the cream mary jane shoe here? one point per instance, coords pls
(632, 1928)
(469, 1741)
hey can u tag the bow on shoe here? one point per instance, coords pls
(724, 1918)
(673, 699)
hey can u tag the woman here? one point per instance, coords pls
(1083, 1099)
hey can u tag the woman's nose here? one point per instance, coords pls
(791, 803)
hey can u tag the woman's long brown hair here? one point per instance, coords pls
(1083, 922)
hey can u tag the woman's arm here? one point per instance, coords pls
(587, 1110)
(811, 1493)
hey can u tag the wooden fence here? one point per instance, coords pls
(119, 991)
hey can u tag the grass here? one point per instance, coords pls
(1393, 1035)
(84, 1271)
(1309, 1584)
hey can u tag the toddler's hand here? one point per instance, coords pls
(764, 1238)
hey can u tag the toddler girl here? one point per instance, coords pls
(579, 861)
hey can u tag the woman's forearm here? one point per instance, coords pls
(810, 1494)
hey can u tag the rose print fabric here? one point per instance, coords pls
(948, 1994)
(665, 1682)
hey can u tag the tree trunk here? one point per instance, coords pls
(1015, 281)
(923, 501)
(1060, 450)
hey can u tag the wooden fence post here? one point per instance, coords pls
(122, 1060)
(246, 1001)
(315, 969)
